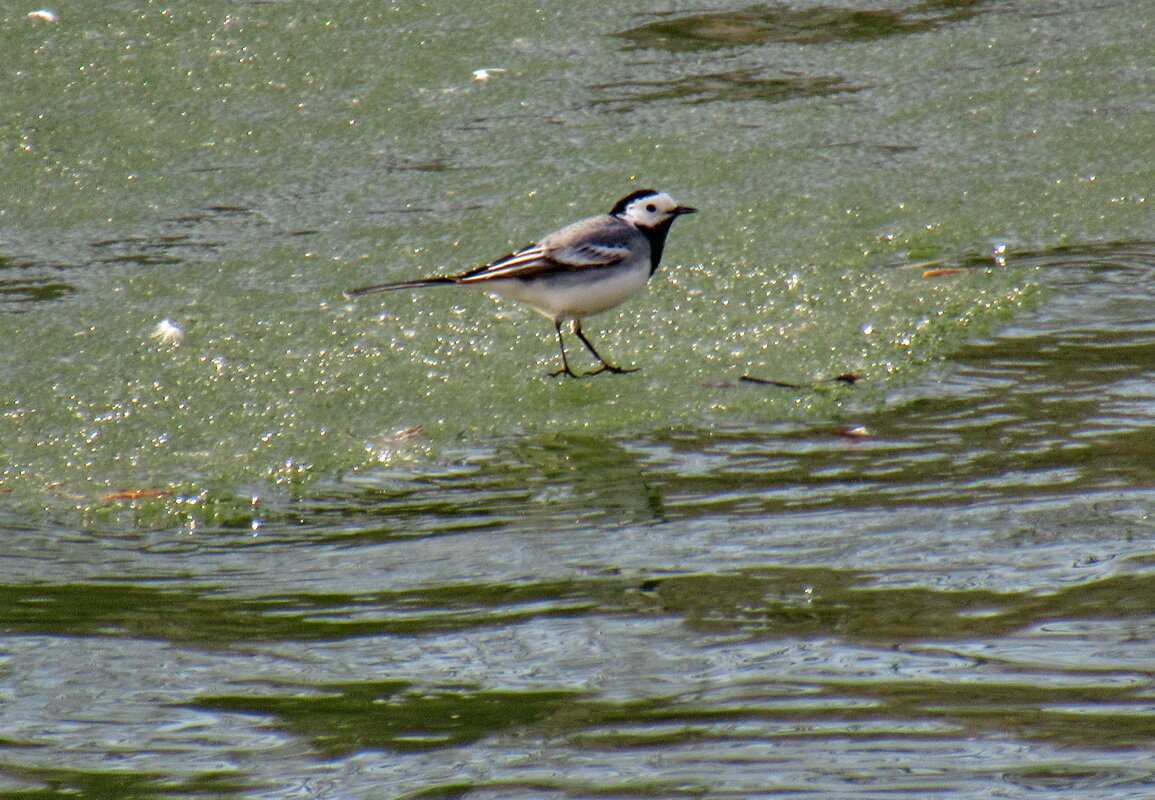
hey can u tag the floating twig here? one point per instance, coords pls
(849, 379)
(137, 494)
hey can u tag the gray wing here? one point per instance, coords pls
(601, 241)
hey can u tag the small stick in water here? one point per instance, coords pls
(849, 379)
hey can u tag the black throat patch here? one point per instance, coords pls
(657, 238)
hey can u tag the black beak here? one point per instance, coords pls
(680, 210)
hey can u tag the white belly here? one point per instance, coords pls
(573, 295)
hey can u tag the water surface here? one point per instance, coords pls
(322, 549)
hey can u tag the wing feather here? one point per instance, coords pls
(593, 243)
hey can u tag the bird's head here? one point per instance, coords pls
(649, 209)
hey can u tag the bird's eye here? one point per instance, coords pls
(651, 208)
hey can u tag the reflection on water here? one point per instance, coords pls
(343, 720)
(769, 23)
(23, 282)
(733, 86)
(959, 602)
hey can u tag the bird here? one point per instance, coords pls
(583, 269)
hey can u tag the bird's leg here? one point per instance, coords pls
(565, 370)
(606, 366)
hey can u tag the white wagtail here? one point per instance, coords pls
(583, 269)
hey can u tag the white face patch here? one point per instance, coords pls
(651, 210)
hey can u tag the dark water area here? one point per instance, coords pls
(259, 542)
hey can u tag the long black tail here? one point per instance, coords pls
(390, 287)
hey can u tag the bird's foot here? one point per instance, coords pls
(611, 369)
(564, 371)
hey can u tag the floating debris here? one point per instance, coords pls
(390, 445)
(168, 332)
(766, 382)
(855, 432)
(137, 494)
(934, 273)
(848, 378)
(485, 73)
(1000, 255)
